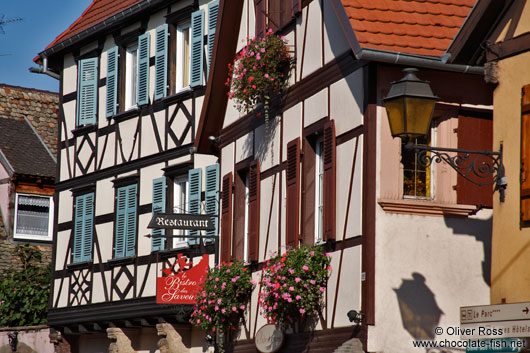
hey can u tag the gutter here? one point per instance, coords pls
(428, 62)
(44, 69)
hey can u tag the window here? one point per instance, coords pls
(87, 88)
(180, 205)
(245, 233)
(33, 217)
(416, 177)
(319, 190)
(83, 227)
(275, 14)
(126, 206)
(183, 55)
(131, 76)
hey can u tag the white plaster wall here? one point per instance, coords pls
(38, 340)
(105, 234)
(292, 127)
(4, 198)
(104, 197)
(346, 101)
(106, 152)
(227, 158)
(448, 254)
(98, 290)
(268, 230)
(61, 249)
(312, 55)
(128, 137)
(149, 145)
(316, 107)
(69, 74)
(267, 144)
(245, 147)
(335, 42)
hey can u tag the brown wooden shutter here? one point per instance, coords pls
(292, 193)
(260, 10)
(475, 133)
(274, 12)
(253, 209)
(329, 180)
(525, 154)
(297, 6)
(226, 218)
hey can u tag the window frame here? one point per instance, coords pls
(431, 171)
(180, 60)
(130, 90)
(18, 236)
(180, 243)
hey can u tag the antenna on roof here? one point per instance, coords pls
(3, 22)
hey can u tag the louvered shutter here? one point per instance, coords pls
(194, 198)
(213, 12)
(87, 91)
(329, 180)
(121, 223)
(112, 81)
(131, 221)
(293, 192)
(159, 206)
(161, 61)
(474, 134)
(259, 9)
(143, 69)
(83, 228)
(525, 154)
(211, 197)
(253, 210)
(197, 47)
(226, 218)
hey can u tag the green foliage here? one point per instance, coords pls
(293, 284)
(24, 290)
(224, 297)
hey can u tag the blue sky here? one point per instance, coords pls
(42, 22)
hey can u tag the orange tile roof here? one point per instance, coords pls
(95, 13)
(422, 27)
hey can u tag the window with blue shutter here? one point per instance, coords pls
(211, 197)
(112, 81)
(125, 221)
(143, 69)
(83, 228)
(87, 87)
(161, 61)
(213, 11)
(197, 47)
(194, 198)
(159, 206)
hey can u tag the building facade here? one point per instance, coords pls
(400, 234)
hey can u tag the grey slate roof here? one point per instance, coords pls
(23, 149)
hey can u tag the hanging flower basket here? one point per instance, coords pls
(259, 72)
(221, 303)
(293, 285)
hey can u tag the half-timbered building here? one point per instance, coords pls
(132, 77)
(409, 244)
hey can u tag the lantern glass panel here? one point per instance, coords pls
(394, 109)
(418, 114)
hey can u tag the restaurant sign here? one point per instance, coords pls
(182, 221)
(181, 287)
(269, 338)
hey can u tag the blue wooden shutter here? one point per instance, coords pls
(121, 222)
(131, 221)
(112, 81)
(143, 69)
(213, 11)
(197, 47)
(161, 61)
(211, 197)
(87, 91)
(83, 228)
(194, 198)
(159, 205)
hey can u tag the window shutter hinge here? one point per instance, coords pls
(363, 276)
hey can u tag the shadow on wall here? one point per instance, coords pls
(481, 230)
(419, 311)
(21, 348)
(263, 140)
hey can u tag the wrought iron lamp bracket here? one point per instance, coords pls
(479, 167)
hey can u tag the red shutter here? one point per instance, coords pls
(260, 10)
(329, 180)
(475, 134)
(226, 218)
(525, 154)
(253, 209)
(292, 193)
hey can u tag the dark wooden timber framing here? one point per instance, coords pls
(369, 194)
(508, 48)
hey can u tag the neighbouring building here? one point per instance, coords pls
(132, 81)
(28, 126)
(410, 245)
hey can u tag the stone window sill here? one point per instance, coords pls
(427, 208)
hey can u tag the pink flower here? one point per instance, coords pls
(298, 297)
(216, 279)
(266, 75)
(219, 301)
(253, 282)
(305, 268)
(234, 279)
(289, 300)
(242, 307)
(312, 281)
(262, 50)
(322, 289)
(291, 271)
(198, 321)
(297, 279)
(312, 253)
(258, 57)
(216, 308)
(291, 289)
(234, 308)
(302, 311)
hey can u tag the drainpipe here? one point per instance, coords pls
(416, 61)
(44, 69)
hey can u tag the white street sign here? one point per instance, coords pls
(501, 329)
(494, 313)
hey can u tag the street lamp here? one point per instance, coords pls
(410, 106)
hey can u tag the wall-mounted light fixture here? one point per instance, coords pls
(410, 106)
(355, 316)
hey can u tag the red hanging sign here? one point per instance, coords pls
(181, 288)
